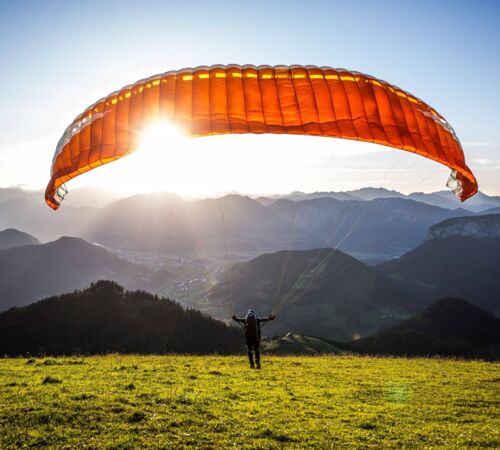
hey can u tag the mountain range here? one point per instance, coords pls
(328, 293)
(443, 199)
(237, 224)
(323, 289)
(385, 227)
(32, 272)
(27, 211)
(295, 256)
(370, 230)
(166, 222)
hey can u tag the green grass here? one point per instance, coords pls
(217, 402)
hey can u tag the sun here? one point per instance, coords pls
(160, 137)
(157, 161)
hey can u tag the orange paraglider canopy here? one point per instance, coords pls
(308, 100)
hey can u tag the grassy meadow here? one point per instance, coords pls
(217, 402)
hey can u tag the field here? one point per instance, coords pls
(217, 402)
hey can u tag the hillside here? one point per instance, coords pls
(14, 238)
(321, 292)
(371, 224)
(491, 211)
(36, 271)
(367, 229)
(105, 318)
(456, 266)
(167, 222)
(483, 226)
(386, 226)
(448, 327)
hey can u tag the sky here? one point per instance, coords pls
(58, 57)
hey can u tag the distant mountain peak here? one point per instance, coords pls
(72, 242)
(481, 227)
(34, 271)
(442, 308)
(12, 237)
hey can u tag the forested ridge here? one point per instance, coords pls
(106, 318)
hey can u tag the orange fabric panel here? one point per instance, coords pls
(323, 100)
(151, 100)
(270, 101)
(388, 119)
(253, 100)
(341, 105)
(306, 100)
(218, 101)
(167, 95)
(201, 107)
(287, 102)
(184, 99)
(236, 101)
(121, 121)
(135, 117)
(108, 130)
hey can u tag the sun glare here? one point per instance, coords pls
(158, 156)
(158, 138)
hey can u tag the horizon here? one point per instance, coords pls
(253, 195)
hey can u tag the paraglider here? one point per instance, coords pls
(251, 324)
(307, 100)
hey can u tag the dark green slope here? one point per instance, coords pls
(105, 318)
(450, 327)
(321, 292)
(457, 266)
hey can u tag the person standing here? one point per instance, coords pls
(251, 324)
